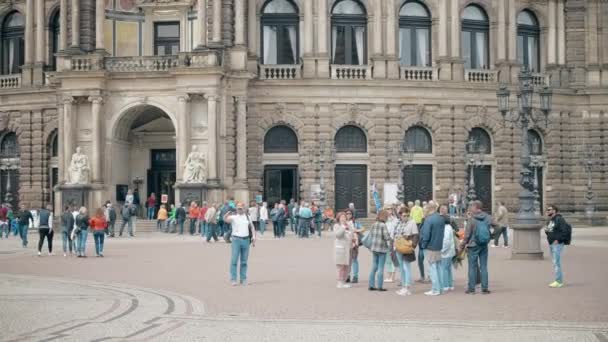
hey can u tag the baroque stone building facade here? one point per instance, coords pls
(288, 97)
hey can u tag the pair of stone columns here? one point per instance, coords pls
(100, 12)
(216, 38)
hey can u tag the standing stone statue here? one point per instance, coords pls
(79, 168)
(195, 170)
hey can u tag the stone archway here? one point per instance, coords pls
(142, 150)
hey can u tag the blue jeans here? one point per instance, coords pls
(355, 267)
(211, 231)
(319, 227)
(478, 255)
(150, 213)
(23, 233)
(126, 222)
(378, 261)
(405, 270)
(99, 237)
(275, 229)
(181, 222)
(421, 262)
(240, 250)
(262, 226)
(556, 255)
(435, 274)
(192, 226)
(82, 241)
(204, 226)
(505, 236)
(4, 228)
(111, 225)
(68, 244)
(447, 279)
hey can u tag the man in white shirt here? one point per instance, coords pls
(243, 234)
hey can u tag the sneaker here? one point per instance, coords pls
(348, 280)
(452, 288)
(556, 284)
(339, 285)
(493, 245)
(432, 293)
(65, 255)
(346, 286)
(485, 291)
(505, 246)
(446, 289)
(39, 254)
(355, 280)
(402, 292)
(234, 283)
(101, 255)
(381, 289)
(388, 280)
(371, 288)
(244, 283)
(51, 253)
(471, 292)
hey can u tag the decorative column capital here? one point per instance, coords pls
(211, 97)
(240, 99)
(96, 100)
(67, 100)
(183, 98)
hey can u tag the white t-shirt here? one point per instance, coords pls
(240, 225)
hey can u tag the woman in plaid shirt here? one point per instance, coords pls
(380, 246)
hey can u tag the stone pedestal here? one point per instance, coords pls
(392, 69)
(252, 64)
(379, 64)
(76, 195)
(38, 74)
(526, 241)
(323, 67)
(458, 70)
(238, 58)
(199, 192)
(309, 67)
(241, 191)
(595, 219)
(445, 69)
(26, 75)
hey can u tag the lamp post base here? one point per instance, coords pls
(526, 241)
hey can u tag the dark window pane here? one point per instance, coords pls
(351, 139)
(9, 146)
(340, 45)
(279, 6)
(419, 139)
(483, 143)
(280, 139)
(167, 31)
(535, 142)
(466, 49)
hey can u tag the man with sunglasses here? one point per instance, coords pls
(557, 231)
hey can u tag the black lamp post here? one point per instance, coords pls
(590, 159)
(405, 159)
(474, 157)
(527, 222)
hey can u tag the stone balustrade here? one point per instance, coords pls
(412, 73)
(351, 72)
(86, 63)
(280, 71)
(539, 79)
(141, 64)
(203, 59)
(10, 81)
(481, 76)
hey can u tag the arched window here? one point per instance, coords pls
(419, 139)
(535, 142)
(528, 35)
(12, 44)
(351, 139)
(474, 40)
(9, 146)
(483, 143)
(280, 139)
(349, 33)
(414, 34)
(54, 40)
(280, 24)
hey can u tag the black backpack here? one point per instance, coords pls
(567, 233)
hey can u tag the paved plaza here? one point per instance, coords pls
(158, 287)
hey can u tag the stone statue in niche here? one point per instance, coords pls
(79, 168)
(195, 170)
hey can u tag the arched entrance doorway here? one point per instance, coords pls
(144, 155)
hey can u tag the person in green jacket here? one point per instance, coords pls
(172, 220)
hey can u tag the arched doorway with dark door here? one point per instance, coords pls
(281, 179)
(418, 177)
(351, 172)
(479, 154)
(143, 155)
(9, 168)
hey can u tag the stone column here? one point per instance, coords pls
(75, 24)
(391, 41)
(68, 134)
(239, 22)
(561, 33)
(63, 24)
(201, 15)
(217, 22)
(591, 44)
(212, 140)
(512, 34)
(308, 59)
(38, 68)
(252, 28)
(183, 133)
(443, 29)
(551, 34)
(322, 54)
(29, 32)
(241, 139)
(378, 59)
(96, 129)
(501, 41)
(100, 16)
(457, 62)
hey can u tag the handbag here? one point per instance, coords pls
(404, 246)
(366, 240)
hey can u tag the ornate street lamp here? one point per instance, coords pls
(590, 156)
(474, 157)
(405, 159)
(537, 160)
(527, 222)
(137, 181)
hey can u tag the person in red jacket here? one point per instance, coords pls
(151, 204)
(98, 224)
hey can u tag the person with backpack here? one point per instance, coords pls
(180, 215)
(477, 236)
(431, 242)
(126, 220)
(559, 234)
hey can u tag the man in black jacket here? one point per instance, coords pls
(557, 236)
(180, 215)
(25, 217)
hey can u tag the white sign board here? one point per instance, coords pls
(315, 192)
(390, 193)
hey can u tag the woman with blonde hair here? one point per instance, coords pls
(380, 239)
(81, 231)
(342, 248)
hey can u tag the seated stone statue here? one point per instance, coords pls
(195, 170)
(79, 168)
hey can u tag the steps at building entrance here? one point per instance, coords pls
(142, 226)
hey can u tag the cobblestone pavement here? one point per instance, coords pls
(173, 288)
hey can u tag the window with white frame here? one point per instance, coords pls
(414, 35)
(474, 38)
(280, 23)
(349, 33)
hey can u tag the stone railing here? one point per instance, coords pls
(540, 80)
(480, 76)
(86, 63)
(140, 64)
(280, 71)
(10, 81)
(412, 73)
(351, 72)
(204, 59)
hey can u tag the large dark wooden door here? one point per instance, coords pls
(162, 175)
(483, 186)
(418, 183)
(351, 187)
(280, 183)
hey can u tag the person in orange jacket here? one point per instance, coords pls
(98, 224)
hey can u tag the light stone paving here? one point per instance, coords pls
(48, 309)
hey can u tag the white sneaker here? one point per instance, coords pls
(403, 292)
(339, 285)
(346, 286)
(51, 254)
(446, 289)
(432, 293)
(388, 280)
(452, 288)
(39, 254)
(493, 246)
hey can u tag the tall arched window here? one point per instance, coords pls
(419, 139)
(535, 142)
(528, 35)
(349, 33)
(9, 147)
(474, 40)
(351, 139)
(13, 46)
(281, 139)
(54, 40)
(483, 142)
(280, 32)
(414, 34)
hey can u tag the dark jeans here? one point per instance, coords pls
(180, 223)
(275, 228)
(67, 242)
(304, 227)
(421, 262)
(211, 231)
(281, 228)
(478, 255)
(48, 234)
(126, 222)
(192, 226)
(23, 230)
(98, 236)
(111, 225)
(501, 231)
